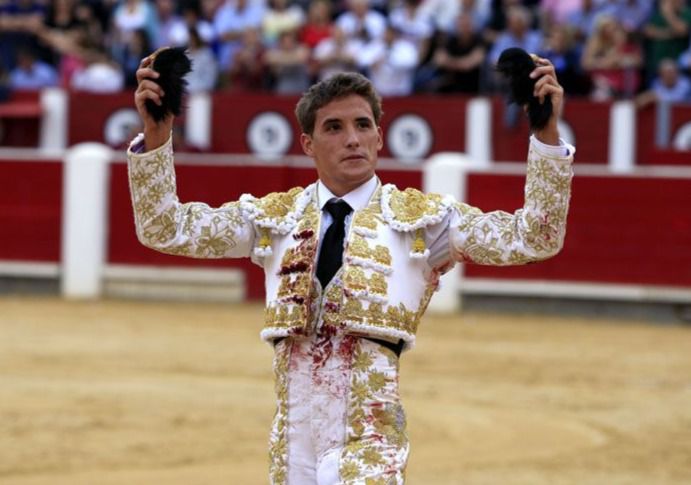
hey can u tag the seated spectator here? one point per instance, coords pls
(30, 74)
(130, 55)
(612, 60)
(390, 63)
(318, 24)
(281, 18)
(582, 21)
(192, 14)
(459, 60)
(247, 71)
(413, 23)
(233, 20)
(100, 74)
(172, 29)
(130, 16)
(361, 22)
(668, 87)
(560, 49)
(498, 20)
(557, 12)
(443, 13)
(632, 14)
(668, 32)
(287, 63)
(204, 74)
(19, 21)
(336, 54)
(517, 34)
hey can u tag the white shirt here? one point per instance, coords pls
(357, 199)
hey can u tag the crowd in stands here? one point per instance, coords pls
(604, 49)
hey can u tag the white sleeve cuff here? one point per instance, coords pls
(563, 150)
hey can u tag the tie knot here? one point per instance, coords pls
(338, 209)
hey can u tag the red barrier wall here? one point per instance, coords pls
(647, 152)
(626, 230)
(589, 122)
(30, 211)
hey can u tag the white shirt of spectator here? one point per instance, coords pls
(391, 68)
(374, 24)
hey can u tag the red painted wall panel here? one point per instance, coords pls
(620, 230)
(30, 211)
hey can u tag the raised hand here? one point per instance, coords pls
(546, 84)
(155, 133)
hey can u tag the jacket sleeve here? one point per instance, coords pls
(193, 229)
(533, 233)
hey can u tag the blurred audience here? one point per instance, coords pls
(670, 86)
(607, 49)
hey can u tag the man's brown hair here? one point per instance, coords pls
(335, 87)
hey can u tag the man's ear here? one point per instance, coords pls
(306, 142)
(380, 136)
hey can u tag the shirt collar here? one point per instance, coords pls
(357, 198)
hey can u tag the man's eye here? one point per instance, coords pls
(364, 124)
(332, 127)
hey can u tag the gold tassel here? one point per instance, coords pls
(419, 242)
(265, 240)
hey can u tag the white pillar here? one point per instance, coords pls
(198, 124)
(53, 131)
(446, 173)
(478, 130)
(84, 219)
(622, 137)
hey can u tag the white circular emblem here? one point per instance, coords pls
(121, 126)
(269, 135)
(409, 138)
(682, 139)
(566, 132)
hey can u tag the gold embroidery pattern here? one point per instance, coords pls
(277, 205)
(192, 229)
(376, 448)
(411, 205)
(278, 440)
(299, 285)
(394, 317)
(359, 248)
(532, 233)
(356, 282)
(280, 317)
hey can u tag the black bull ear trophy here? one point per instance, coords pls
(516, 65)
(172, 64)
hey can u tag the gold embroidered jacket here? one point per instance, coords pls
(387, 277)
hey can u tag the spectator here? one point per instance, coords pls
(100, 74)
(31, 74)
(204, 74)
(517, 34)
(19, 22)
(336, 54)
(233, 22)
(460, 58)
(557, 12)
(361, 22)
(172, 28)
(130, 16)
(612, 60)
(129, 57)
(191, 14)
(560, 49)
(318, 25)
(287, 62)
(633, 14)
(443, 13)
(413, 23)
(582, 21)
(670, 86)
(281, 18)
(668, 32)
(247, 71)
(390, 63)
(498, 19)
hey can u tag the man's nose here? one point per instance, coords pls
(352, 138)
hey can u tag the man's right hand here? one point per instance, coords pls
(155, 133)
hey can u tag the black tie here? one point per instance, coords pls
(331, 255)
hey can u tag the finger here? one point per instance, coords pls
(549, 90)
(541, 71)
(143, 95)
(147, 84)
(546, 79)
(146, 73)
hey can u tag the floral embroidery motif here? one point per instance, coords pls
(278, 441)
(376, 448)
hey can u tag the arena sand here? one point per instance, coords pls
(131, 393)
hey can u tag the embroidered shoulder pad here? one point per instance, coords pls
(278, 211)
(410, 209)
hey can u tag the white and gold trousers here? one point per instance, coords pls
(339, 419)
